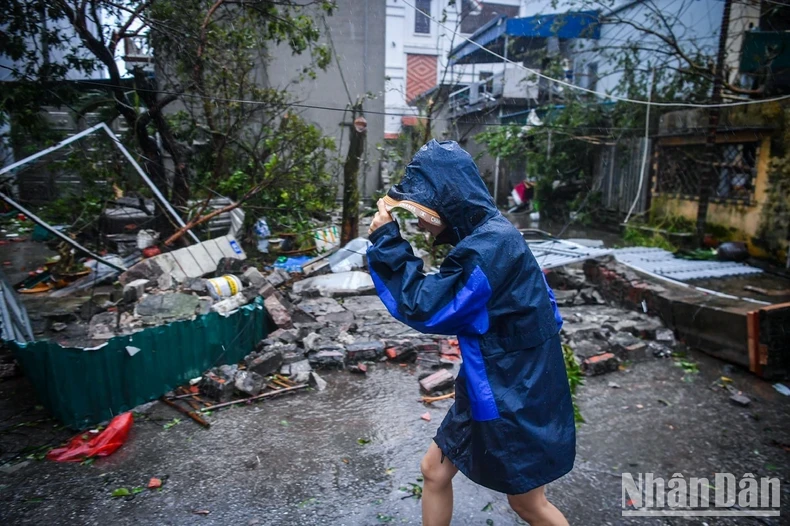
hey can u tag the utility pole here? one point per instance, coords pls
(708, 177)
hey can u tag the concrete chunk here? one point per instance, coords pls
(600, 364)
(254, 277)
(248, 383)
(362, 351)
(317, 382)
(438, 381)
(278, 277)
(265, 364)
(741, 400)
(216, 388)
(285, 335)
(329, 359)
(134, 290)
(229, 305)
(278, 312)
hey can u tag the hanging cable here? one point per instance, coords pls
(593, 92)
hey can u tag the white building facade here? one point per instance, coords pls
(418, 48)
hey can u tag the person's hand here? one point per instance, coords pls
(381, 218)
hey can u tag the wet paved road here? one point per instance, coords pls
(297, 459)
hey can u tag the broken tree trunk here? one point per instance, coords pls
(350, 227)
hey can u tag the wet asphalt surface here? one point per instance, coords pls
(299, 459)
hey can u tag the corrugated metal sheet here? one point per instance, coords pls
(82, 387)
(663, 263)
(556, 253)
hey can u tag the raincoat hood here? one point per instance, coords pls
(443, 177)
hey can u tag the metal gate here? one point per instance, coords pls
(619, 168)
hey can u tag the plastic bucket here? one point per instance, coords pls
(223, 286)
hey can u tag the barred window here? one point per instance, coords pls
(681, 166)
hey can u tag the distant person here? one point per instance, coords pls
(522, 195)
(511, 428)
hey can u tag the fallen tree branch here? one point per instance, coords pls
(254, 398)
(432, 399)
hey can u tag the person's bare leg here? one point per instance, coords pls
(437, 490)
(534, 508)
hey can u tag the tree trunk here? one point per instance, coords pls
(356, 148)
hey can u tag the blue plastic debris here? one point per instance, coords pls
(293, 264)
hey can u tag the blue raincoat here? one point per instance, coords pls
(511, 428)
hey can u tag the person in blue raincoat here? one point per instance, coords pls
(511, 428)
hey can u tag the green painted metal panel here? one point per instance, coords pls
(82, 387)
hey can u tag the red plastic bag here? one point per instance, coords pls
(86, 445)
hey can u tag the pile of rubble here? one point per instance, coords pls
(604, 337)
(320, 327)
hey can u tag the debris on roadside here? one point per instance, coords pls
(438, 381)
(740, 399)
(95, 443)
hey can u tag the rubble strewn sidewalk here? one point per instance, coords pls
(605, 337)
(322, 322)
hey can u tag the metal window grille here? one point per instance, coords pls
(680, 167)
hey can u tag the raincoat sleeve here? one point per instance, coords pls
(553, 301)
(452, 301)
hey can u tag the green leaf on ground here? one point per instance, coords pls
(488, 507)
(172, 423)
(308, 502)
(121, 492)
(363, 441)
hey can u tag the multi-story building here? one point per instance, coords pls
(417, 49)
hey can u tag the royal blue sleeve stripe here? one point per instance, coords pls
(466, 313)
(481, 396)
(553, 300)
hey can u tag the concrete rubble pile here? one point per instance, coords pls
(323, 320)
(603, 337)
(322, 333)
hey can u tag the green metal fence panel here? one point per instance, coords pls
(82, 387)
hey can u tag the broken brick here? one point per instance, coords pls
(401, 352)
(361, 351)
(265, 363)
(278, 312)
(600, 364)
(216, 388)
(438, 381)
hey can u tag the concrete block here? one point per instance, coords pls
(254, 277)
(248, 383)
(278, 312)
(438, 381)
(265, 363)
(364, 351)
(134, 291)
(600, 364)
(317, 382)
